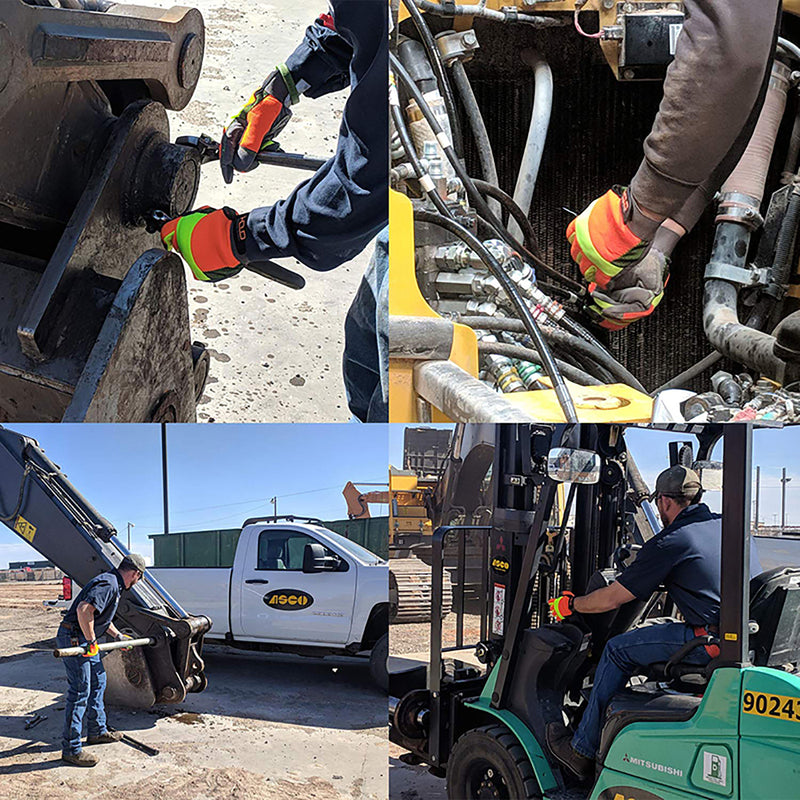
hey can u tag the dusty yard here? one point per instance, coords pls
(266, 728)
(275, 353)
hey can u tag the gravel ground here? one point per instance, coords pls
(266, 728)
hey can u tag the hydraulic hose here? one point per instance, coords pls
(740, 199)
(689, 374)
(507, 202)
(478, 126)
(537, 132)
(574, 374)
(424, 179)
(531, 326)
(474, 195)
(435, 58)
(509, 15)
(563, 338)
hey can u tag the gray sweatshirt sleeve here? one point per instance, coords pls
(712, 94)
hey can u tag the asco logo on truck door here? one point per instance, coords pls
(288, 600)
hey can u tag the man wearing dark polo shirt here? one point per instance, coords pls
(685, 557)
(89, 617)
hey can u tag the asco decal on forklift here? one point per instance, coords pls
(626, 793)
(771, 705)
(24, 528)
(288, 600)
(500, 565)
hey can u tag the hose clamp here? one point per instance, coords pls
(742, 276)
(457, 46)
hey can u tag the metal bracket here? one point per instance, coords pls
(751, 276)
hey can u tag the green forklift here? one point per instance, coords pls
(730, 729)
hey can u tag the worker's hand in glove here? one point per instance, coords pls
(256, 125)
(604, 247)
(562, 606)
(211, 241)
(633, 293)
(122, 637)
(91, 649)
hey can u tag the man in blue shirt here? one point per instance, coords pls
(330, 218)
(685, 557)
(89, 617)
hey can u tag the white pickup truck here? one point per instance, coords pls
(295, 587)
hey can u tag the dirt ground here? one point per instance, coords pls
(266, 728)
(275, 353)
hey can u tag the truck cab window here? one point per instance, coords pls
(283, 550)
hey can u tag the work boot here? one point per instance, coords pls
(79, 759)
(108, 737)
(559, 740)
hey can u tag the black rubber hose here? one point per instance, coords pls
(527, 354)
(472, 190)
(435, 57)
(478, 126)
(531, 326)
(564, 339)
(508, 203)
(689, 374)
(411, 153)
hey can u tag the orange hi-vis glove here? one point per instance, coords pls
(626, 278)
(91, 649)
(211, 241)
(121, 638)
(562, 606)
(256, 125)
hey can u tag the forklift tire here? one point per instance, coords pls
(379, 662)
(489, 762)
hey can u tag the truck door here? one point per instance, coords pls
(282, 603)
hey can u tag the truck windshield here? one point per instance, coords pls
(361, 553)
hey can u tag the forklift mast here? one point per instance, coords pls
(44, 509)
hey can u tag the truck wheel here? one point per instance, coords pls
(489, 762)
(378, 662)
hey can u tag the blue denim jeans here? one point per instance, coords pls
(86, 678)
(623, 657)
(366, 349)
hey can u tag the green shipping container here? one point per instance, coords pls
(217, 548)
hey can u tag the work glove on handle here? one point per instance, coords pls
(562, 606)
(91, 649)
(605, 249)
(211, 241)
(121, 638)
(254, 128)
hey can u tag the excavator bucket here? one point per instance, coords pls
(94, 322)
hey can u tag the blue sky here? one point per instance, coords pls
(221, 474)
(218, 474)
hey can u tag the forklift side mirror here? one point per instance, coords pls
(710, 474)
(566, 465)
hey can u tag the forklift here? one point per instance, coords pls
(725, 730)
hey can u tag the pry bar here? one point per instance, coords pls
(208, 150)
(145, 748)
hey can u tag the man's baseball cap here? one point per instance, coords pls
(133, 561)
(678, 482)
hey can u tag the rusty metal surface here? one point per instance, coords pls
(142, 354)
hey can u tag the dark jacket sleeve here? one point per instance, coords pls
(712, 95)
(331, 217)
(653, 564)
(321, 63)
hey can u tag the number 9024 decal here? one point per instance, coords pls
(771, 705)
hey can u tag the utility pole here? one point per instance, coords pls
(784, 481)
(758, 494)
(130, 525)
(164, 475)
(274, 501)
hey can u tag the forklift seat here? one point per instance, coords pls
(775, 620)
(631, 705)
